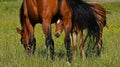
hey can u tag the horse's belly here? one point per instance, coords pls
(33, 15)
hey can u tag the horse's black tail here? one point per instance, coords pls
(83, 13)
(100, 13)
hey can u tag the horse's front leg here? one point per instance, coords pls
(46, 26)
(67, 30)
(27, 35)
(32, 41)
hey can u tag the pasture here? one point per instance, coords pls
(12, 53)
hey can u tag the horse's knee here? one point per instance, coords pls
(49, 40)
(67, 42)
(32, 41)
(46, 26)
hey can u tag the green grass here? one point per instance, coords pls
(12, 53)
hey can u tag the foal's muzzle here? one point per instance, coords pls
(57, 34)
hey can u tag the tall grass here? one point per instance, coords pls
(12, 53)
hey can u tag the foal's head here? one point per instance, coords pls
(59, 28)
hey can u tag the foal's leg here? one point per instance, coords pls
(46, 26)
(73, 34)
(81, 43)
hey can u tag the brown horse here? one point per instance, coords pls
(44, 12)
(100, 16)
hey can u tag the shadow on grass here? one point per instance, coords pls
(59, 54)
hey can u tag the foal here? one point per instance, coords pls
(100, 15)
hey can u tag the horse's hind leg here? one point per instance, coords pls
(81, 43)
(73, 34)
(46, 26)
(99, 44)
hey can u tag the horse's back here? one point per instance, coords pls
(41, 8)
(30, 6)
(47, 8)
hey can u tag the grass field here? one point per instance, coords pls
(12, 53)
